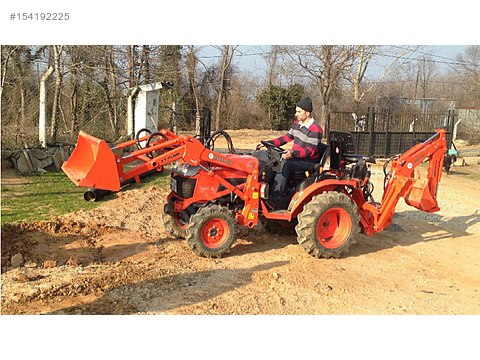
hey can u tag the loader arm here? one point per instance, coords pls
(404, 181)
(93, 164)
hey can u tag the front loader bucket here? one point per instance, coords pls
(92, 164)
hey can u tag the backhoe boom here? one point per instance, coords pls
(404, 180)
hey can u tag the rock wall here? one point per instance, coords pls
(37, 160)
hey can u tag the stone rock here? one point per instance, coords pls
(73, 261)
(30, 264)
(58, 159)
(39, 154)
(43, 163)
(21, 278)
(23, 163)
(17, 260)
(49, 264)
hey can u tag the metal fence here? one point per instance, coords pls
(387, 132)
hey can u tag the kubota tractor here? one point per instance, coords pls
(213, 193)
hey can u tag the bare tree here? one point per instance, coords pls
(427, 70)
(57, 51)
(469, 65)
(132, 60)
(109, 87)
(271, 58)
(191, 63)
(75, 57)
(325, 65)
(5, 60)
(363, 57)
(146, 63)
(227, 56)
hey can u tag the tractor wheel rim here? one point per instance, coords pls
(333, 228)
(214, 233)
(179, 222)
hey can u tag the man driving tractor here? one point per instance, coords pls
(306, 134)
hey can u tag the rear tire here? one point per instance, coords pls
(327, 225)
(211, 231)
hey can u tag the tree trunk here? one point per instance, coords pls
(4, 69)
(146, 63)
(191, 70)
(227, 56)
(132, 64)
(109, 85)
(23, 93)
(325, 117)
(57, 49)
(74, 104)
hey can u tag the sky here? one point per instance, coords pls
(249, 57)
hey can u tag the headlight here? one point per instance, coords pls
(186, 170)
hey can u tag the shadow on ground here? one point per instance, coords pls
(164, 294)
(402, 232)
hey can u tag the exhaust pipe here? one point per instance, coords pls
(93, 194)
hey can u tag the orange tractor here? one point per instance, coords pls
(212, 193)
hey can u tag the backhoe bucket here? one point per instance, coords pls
(92, 164)
(419, 196)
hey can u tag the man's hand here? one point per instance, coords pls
(287, 154)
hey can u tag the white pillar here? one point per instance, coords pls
(42, 123)
(454, 135)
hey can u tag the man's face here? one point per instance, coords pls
(301, 114)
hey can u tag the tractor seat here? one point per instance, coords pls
(354, 158)
(324, 152)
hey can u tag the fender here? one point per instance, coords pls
(304, 196)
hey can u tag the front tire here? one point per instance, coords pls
(327, 225)
(174, 225)
(211, 231)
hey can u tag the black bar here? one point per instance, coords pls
(371, 127)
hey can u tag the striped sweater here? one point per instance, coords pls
(305, 139)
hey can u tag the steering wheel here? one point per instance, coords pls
(154, 137)
(270, 146)
(137, 137)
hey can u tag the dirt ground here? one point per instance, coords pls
(118, 259)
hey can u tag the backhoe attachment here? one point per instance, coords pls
(404, 180)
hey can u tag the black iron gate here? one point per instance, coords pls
(386, 132)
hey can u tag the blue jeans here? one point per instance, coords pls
(288, 167)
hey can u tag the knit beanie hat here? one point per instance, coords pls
(305, 104)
